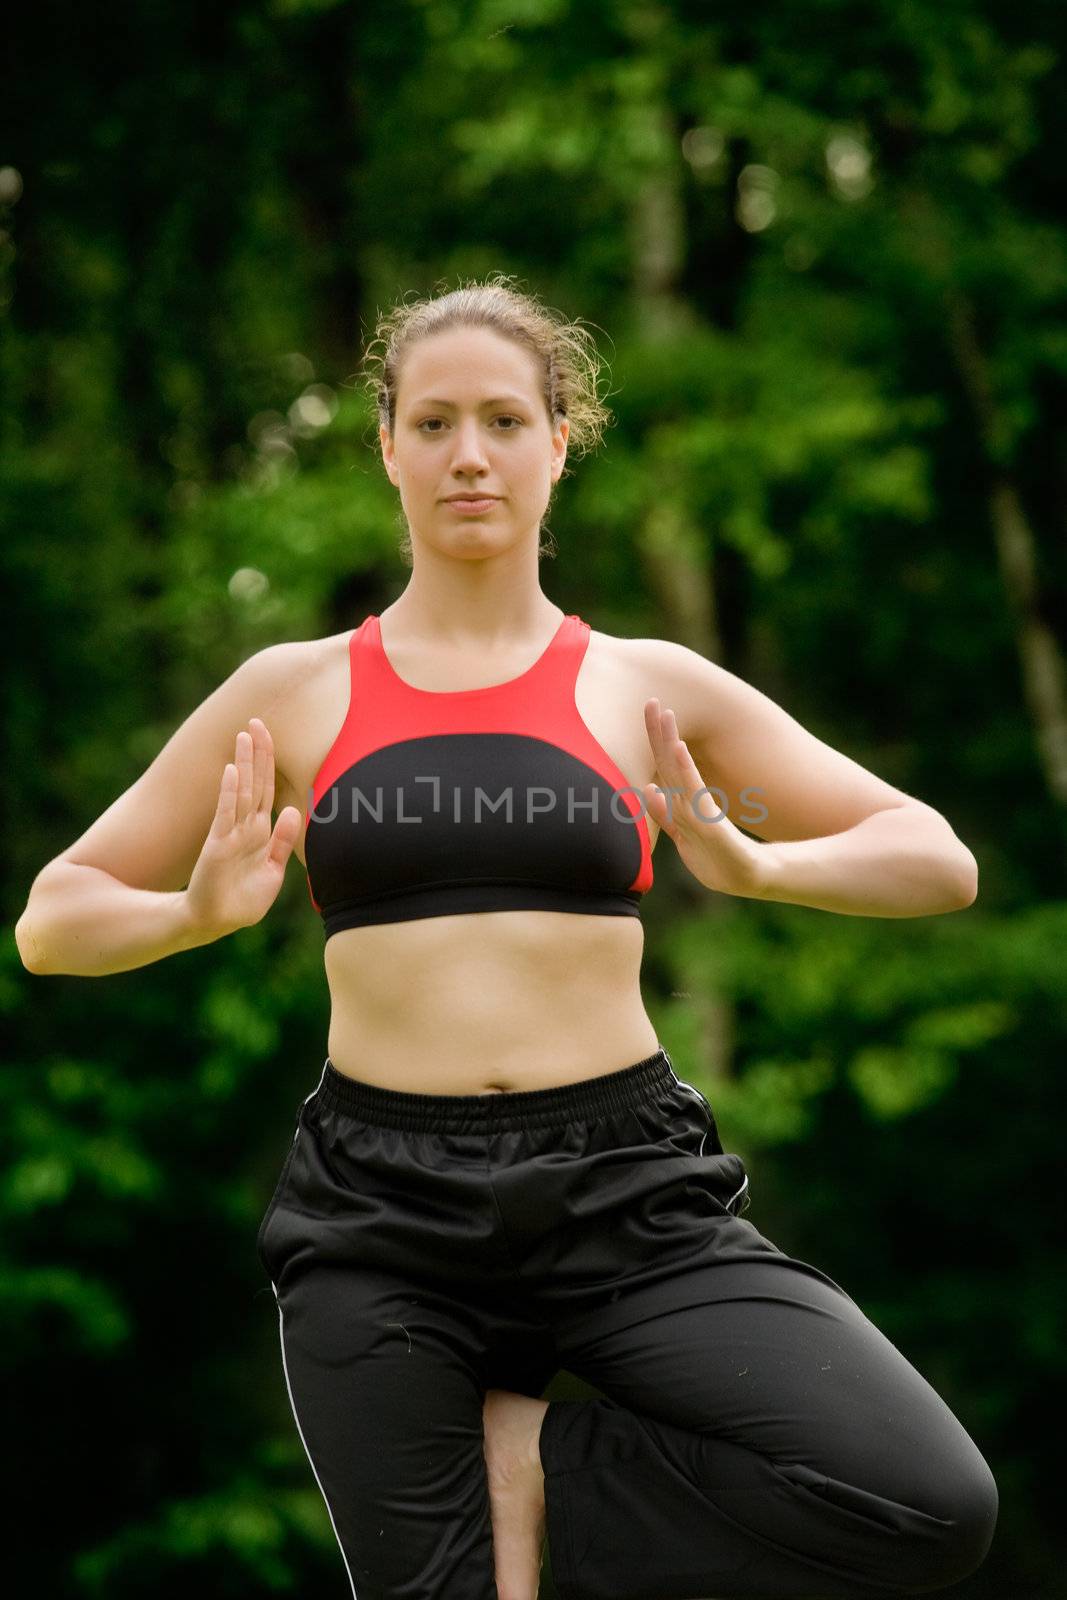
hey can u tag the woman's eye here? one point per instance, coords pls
(518, 420)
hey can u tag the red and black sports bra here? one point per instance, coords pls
(435, 802)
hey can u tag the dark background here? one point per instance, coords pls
(822, 249)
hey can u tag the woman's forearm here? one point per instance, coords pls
(82, 921)
(902, 862)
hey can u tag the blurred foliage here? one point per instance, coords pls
(827, 265)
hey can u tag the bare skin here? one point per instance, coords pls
(512, 1425)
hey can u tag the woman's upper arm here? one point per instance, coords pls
(789, 782)
(152, 835)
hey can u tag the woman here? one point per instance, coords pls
(499, 1172)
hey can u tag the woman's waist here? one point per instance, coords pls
(461, 1057)
(470, 1009)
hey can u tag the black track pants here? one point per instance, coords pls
(758, 1435)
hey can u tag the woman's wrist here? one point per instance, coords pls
(193, 929)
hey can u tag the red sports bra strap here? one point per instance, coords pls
(556, 668)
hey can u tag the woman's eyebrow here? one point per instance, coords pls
(497, 400)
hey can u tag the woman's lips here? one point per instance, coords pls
(471, 507)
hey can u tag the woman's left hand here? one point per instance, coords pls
(715, 852)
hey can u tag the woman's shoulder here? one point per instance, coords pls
(283, 680)
(662, 658)
(301, 688)
(695, 688)
(279, 670)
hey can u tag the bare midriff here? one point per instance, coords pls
(489, 1002)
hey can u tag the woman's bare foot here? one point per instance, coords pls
(516, 1490)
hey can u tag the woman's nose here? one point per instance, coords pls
(470, 446)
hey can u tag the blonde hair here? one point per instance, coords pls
(566, 353)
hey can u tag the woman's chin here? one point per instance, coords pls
(475, 538)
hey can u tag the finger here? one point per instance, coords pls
(286, 832)
(265, 798)
(673, 764)
(652, 728)
(256, 736)
(681, 763)
(682, 779)
(655, 723)
(670, 743)
(244, 755)
(222, 821)
(701, 807)
(656, 806)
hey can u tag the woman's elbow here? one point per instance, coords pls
(30, 948)
(969, 881)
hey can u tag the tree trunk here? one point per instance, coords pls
(1040, 656)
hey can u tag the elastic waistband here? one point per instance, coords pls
(584, 1101)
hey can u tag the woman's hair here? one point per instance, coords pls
(566, 355)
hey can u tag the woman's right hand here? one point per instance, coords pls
(240, 869)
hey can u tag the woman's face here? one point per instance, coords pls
(470, 417)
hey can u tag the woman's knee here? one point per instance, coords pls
(945, 1519)
(966, 1505)
(922, 1528)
